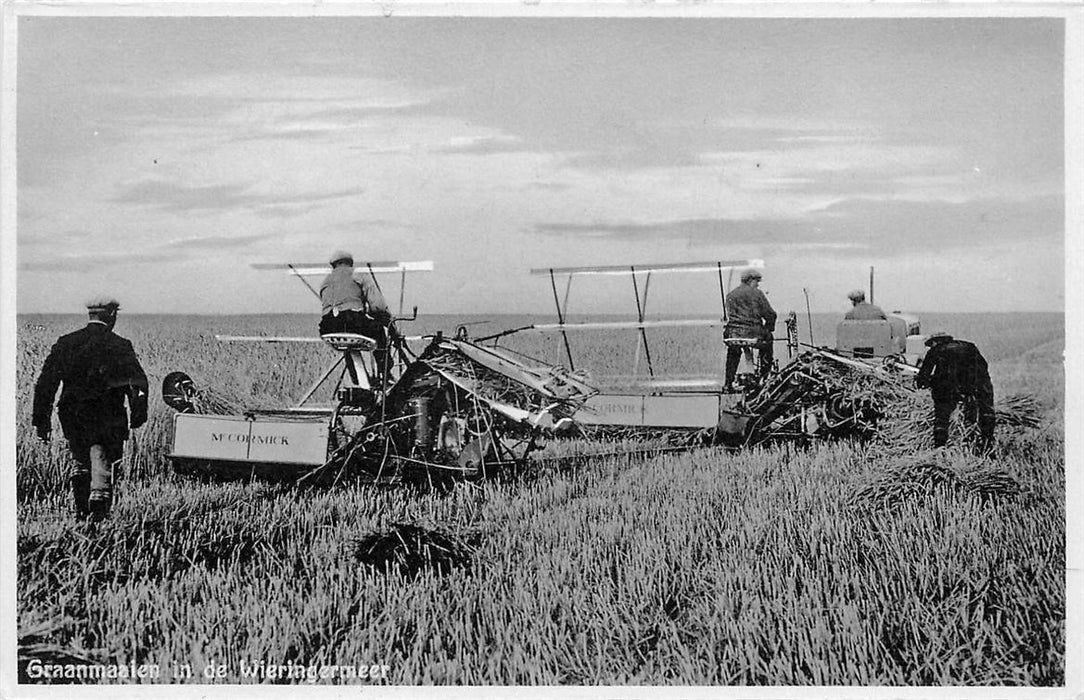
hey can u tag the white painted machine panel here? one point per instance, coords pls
(612, 409)
(687, 411)
(681, 411)
(237, 439)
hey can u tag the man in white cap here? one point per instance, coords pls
(353, 305)
(861, 310)
(749, 315)
(99, 370)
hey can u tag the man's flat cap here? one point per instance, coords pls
(937, 337)
(750, 274)
(857, 295)
(340, 255)
(102, 303)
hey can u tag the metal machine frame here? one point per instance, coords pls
(650, 401)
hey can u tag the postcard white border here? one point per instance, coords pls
(1072, 12)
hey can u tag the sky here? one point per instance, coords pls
(157, 158)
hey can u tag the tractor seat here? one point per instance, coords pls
(349, 341)
(741, 342)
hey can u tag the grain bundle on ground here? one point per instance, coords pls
(929, 471)
(907, 420)
(409, 549)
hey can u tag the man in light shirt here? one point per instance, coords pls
(352, 305)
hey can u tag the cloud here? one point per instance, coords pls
(297, 120)
(485, 146)
(83, 263)
(308, 198)
(551, 186)
(818, 140)
(357, 225)
(316, 92)
(244, 106)
(855, 226)
(633, 158)
(187, 199)
(250, 120)
(352, 115)
(905, 226)
(181, 198)
(219, 242)
(59, 238)
(862, 182)
(146, 107)
(882, 159)
(683, 143)
(173, 251)
(289, 133)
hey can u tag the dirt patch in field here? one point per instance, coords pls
(409, 550)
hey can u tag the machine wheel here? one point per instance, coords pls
(179, 392)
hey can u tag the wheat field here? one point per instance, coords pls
(834, 565)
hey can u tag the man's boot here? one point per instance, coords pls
(80, 486)
(101, 482)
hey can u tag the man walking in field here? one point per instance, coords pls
(955, 371)
(749, 316)
(355, 306)
(98, 369)
(861, 310)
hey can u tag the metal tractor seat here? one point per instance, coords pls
(748, 362)
(355, 368)
(349, 341)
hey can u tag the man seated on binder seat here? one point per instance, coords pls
(751, 318)
(355, 306)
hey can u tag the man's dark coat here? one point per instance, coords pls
(98, 369)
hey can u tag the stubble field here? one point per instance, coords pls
(767, 567)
